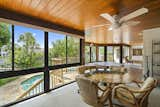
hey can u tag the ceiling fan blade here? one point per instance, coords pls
(131, 23)
(108, 17)
(92, 27)
(134, 14)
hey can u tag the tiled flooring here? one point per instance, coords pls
(67, 96)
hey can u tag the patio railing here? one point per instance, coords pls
(56, 79)
(33, 90)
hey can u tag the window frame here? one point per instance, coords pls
(45, 69)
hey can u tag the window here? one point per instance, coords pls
(87, 54)
(101, 54)
(5, 47)
(125, 52)
(109, 53)
(73, 50)
(93, 53)
(20, 87)
(29, 48)
(116, 54)
(57, 49)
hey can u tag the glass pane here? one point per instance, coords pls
(101, 54)
(62, 76)
(17, 88)
(5, 47)
(73, 50)
(125, 53)
(117, 54)
(57, 49)
(109, 53)
(87, 54)
(29, 48)
(93, 54)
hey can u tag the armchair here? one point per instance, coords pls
(89, 92)
(135, 97)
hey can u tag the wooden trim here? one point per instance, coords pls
(82, 52)
(22, 19)
(97, 53)
(30, 89)
(106, 44)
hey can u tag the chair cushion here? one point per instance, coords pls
(124, 95)
(148, 83)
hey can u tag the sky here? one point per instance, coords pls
(38, 34)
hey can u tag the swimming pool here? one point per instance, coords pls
(30, 81)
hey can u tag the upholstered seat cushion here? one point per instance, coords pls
(125, 95)
(148, 83)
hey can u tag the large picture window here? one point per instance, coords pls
(57, 49)
(87, 54)
(29, 48)
(27, 55)
(93, 54)
(110, 54)
(5, 47)
(73, 50)
(101, 53)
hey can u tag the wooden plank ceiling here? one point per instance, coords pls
(81, 14)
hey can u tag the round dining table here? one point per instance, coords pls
(111, 79)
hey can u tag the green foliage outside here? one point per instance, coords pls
(5, 40)
(58, 49)
(29, 54)
(7, 80)
(5, 34)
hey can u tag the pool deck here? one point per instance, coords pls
(14, 89)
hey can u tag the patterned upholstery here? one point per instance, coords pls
(89, 92)
(135, 97)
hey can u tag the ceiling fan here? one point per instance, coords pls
(117, 22)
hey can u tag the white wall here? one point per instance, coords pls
(148, 36)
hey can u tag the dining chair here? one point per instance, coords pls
(91, 93)
(135, 97)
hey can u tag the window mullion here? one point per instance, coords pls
(66, 51)
(12, 47)
(46, 70)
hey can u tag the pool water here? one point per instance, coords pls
(30, 81)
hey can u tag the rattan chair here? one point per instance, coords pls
(91, 93)
(135, 97)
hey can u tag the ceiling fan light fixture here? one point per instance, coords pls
(110, 28)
